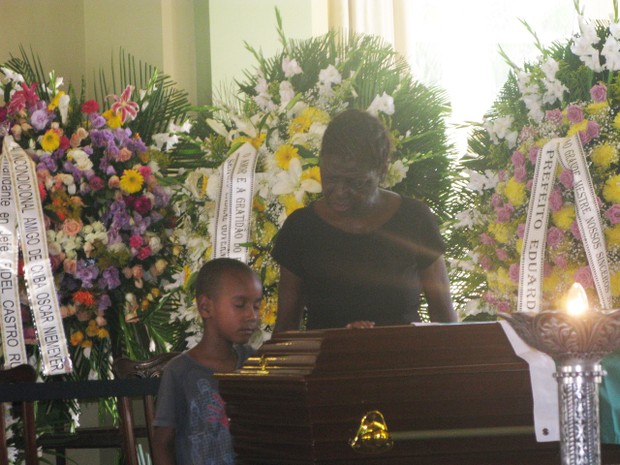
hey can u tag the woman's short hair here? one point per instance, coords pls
(355, 135)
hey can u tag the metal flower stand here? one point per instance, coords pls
(577, 343)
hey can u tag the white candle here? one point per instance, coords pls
(576, 300)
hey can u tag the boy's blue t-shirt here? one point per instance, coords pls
(189, 401)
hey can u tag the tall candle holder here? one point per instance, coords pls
(577, 343)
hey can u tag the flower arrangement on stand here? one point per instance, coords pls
(108, 217)
(282, 108)
(573, 89)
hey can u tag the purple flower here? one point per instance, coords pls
(598, 92)
(574, 229)
(504, 213)
(574, 114)
(40, 119)
(96, 120)
(101, 138)
(613, 214)
(486, 239)
(561, 261)
(48, 163)
(136, 145)
(521, 230)
(86, 273)
(110, 278)
(104, 302)
(501, 254)
(533, 153)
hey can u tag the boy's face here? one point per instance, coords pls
(233, 312)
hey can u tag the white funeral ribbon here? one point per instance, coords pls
(570, 154)
(13, 345)
(234, 204)
(37, 267)
(544, 386)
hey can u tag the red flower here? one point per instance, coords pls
(84, 297)
(42, 191)
(65, 143)
(90, 106)
(142, 205)
(21, 98)
(144, 253)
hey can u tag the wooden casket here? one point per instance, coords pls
(449, 394)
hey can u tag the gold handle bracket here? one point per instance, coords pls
(372, 436)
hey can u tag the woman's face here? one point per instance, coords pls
(348, 188)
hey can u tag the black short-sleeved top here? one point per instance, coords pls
(350, 277)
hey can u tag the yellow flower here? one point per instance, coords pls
(290, 203)
(515, 192)
(519, 245)
(102, 333)
(50, 140)
(612, 235)
(616, 122)
(302, 123)
(113, 119)
(131, 181)
(285, 154)
(596, 107)
(564, 217)
(504, 283)
(76, 338)
(54, 103)
(92, 330)
(268, 312)
(203, 185)
(87, 344)
(313, 173)
(552, 281)
(611, 190)
(577, 127)
(255, 141)
(615, 284)
(604, 155)
(500, 232)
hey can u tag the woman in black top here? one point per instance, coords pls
(360, 255)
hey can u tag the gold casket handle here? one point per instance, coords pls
(372, 436)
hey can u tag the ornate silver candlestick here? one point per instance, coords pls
(577, 343)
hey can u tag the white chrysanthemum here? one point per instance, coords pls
(195, 180)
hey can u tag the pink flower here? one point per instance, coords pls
(533, 153)
(554, 116)
(144, 253)
(554, 236)
(123, 155)
(71, 227)
(521, 230)
(561, 261)
(124, 105)
(485, 263)
(503, 307)
(555, 200)
(567, 179)
(518, 159)
(135, 241)
(142, 205)
(145, 171)
(598, 92)
(583, 276)
(70, 266)
(513, 272)
(613, 214)
(504, 213)
(501, 254)
(574, 114)
(520, 174)
(496, 200)
(593, 130)
(486, 239)
(574, 229)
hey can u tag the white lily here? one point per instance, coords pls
(290, 182)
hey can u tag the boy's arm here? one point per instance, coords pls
(163, 446)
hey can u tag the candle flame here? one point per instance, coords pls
(576, 300)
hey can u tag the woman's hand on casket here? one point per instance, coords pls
(360, 324)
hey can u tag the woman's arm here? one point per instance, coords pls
(436, 287)
(290, 301)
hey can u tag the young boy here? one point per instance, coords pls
(191, 426)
